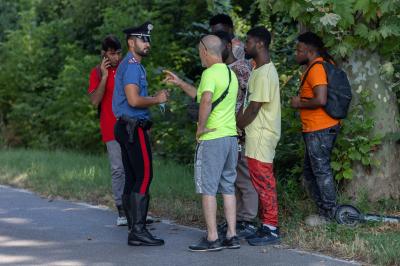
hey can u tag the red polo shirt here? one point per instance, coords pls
(107, 118)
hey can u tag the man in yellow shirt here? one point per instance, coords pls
(260, 117)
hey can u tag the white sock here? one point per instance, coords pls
(271, 227)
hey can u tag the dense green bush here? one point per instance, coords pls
(47, 51)
(48, 48)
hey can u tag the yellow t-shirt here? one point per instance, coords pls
(263, 134)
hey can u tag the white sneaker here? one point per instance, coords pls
(316, 220)
(150, 219)
(121, 221)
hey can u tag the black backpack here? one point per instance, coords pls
(339, 90)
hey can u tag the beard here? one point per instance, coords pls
(248, 56)
(143, 53)
(225, 55)
(304, 62)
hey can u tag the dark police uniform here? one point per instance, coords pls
(131, 133)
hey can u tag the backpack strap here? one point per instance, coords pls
(308, 70)
(223, 95)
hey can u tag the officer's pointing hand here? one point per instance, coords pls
(171, 78)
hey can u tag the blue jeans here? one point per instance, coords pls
(317, 168)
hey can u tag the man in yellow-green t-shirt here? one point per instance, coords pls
(261, 119)
(223, 118)
(216, 151)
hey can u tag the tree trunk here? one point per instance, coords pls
(383, 181)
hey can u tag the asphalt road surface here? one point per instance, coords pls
(39, 231)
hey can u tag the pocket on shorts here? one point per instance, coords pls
(198, 162)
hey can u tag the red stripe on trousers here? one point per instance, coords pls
(263, 179)
(146, 162)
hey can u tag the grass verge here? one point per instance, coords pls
(86, 178)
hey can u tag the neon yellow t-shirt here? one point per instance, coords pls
(215, 79)
(263, 134)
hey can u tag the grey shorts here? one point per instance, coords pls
(215, 166)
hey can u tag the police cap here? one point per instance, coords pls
(143, 31)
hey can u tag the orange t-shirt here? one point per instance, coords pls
(315, 119)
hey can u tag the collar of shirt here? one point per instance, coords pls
(318, 59)
(131, 58)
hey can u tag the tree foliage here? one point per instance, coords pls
(49, 46)
(348, 26)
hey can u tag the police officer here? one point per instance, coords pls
(130, 106)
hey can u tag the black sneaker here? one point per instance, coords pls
(264, 236)
(231, 243)
(222, 228)
(205, 245)
(245, 229)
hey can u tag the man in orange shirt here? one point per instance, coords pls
(319, 129)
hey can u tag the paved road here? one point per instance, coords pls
(36, 231)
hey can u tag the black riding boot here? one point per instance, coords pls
(127, 209)
(138, 235)
(149, 220)
(126, 205)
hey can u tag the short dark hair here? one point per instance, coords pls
(110, 42)
(224, 36)
(223, 19)
(312, 39)
(262, 34)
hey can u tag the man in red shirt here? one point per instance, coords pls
(101, 88)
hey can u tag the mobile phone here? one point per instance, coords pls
(158, 70)
(104, 57)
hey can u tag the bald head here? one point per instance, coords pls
(213, 45)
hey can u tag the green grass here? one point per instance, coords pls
(69, 175)
(372, 243)
(87, 178)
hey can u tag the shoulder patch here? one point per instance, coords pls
(132, 61)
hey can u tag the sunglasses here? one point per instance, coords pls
(201, 41)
